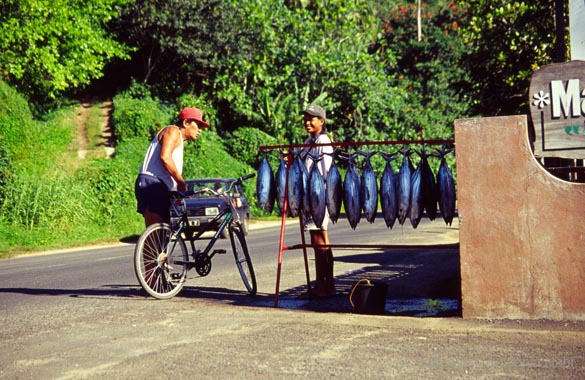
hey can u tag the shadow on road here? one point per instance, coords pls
(421, 282)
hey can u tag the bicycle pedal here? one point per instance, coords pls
(219, 251)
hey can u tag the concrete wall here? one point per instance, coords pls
(522, 232)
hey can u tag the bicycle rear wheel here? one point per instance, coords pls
(242, 257)
(160, 261)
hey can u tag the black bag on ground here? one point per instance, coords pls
(368, 297)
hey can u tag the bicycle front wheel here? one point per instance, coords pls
(160, 261)
(242, 257)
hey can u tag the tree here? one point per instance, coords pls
(305, 52)
(49, 47)
(508, 40)
(430, 71)
(179, 42)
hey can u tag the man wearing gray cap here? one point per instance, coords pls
(314, 122)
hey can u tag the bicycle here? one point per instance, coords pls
(161, 259)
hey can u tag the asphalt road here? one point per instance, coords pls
(81, 314)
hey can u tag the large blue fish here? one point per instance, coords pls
(428, 186)
(388, 185)
(369, 189)
(317, 195)
(404, 184)
(351, 194)
(446, 185)
(265, 185)
(280, 180)
(295, 188)
(416, 200)
(334, 190)
(304, 175)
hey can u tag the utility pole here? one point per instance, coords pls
(418, 21)
(560, 47)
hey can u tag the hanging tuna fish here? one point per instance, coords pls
(280, 180)
(351, 194)
(265, 185)
(317, 196)
(295, 188)
(404, 184)
(416, 200)
(428, 186)
(334, 190)
(446, 185)
(304, 175)
(388, 185)
(369, 189)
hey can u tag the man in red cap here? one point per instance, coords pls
(161, 170)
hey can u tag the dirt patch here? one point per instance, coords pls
(105, 147)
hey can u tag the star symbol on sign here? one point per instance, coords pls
(542, 99)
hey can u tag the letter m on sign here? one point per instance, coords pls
(568, 99)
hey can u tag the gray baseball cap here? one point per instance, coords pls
(315, 110)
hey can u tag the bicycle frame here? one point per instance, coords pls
(162, 259)
(226, 215)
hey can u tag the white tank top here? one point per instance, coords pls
(152, 164)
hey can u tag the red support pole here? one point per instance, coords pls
(282, 229)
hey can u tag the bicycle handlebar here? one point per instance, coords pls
(239, 180)
(188, 193)
(246, 177)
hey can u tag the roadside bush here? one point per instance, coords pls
(5, 169)
(139, 117)
(56, 202)
(14, 105)
(110, 185)
(244, 144)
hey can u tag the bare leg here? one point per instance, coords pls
(152, 218)
(325, 283)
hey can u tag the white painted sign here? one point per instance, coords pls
(577, 28)
(557, 108)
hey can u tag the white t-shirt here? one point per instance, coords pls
(327, 159)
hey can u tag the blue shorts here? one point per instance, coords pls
(152, 195)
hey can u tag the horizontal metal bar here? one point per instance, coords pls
(362, 143)
(362, 246)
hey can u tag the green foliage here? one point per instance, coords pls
(434, 83)
(142, 117)
(507, 41)
(57, 202)
(178, 40)
(207, 157)
(55, 46)
(244, 142)
(5, 169)
(309, 54)
(109, 184)
(26, 139)
(49, 197)
(13, 107)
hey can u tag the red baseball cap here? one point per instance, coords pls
(194, 114)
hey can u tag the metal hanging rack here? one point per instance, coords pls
(282, 247)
